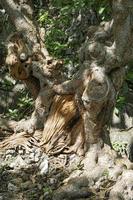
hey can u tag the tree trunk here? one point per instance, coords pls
(74, 121)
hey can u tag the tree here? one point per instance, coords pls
(74, 112)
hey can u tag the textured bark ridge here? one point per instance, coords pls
(73, 114)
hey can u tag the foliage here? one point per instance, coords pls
(47, 191)
(23, 102)
(120, 147)
(58, 19)
(129, 77)
(121, 100)
(12, 113)
(7, 85)
(106, 173)
(23, 107)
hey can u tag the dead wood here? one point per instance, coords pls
(63, 127)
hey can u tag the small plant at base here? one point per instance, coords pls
(23, 107)
(120, 147)
(106, 173)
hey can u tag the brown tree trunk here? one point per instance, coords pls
(76, 121)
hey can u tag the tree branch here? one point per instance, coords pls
(21, 17)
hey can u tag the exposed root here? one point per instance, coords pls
(22, 139)
(63, 127)
(63, 130)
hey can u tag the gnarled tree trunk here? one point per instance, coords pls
(74, 121)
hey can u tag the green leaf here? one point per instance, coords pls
(101, 10)
(130, 76)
